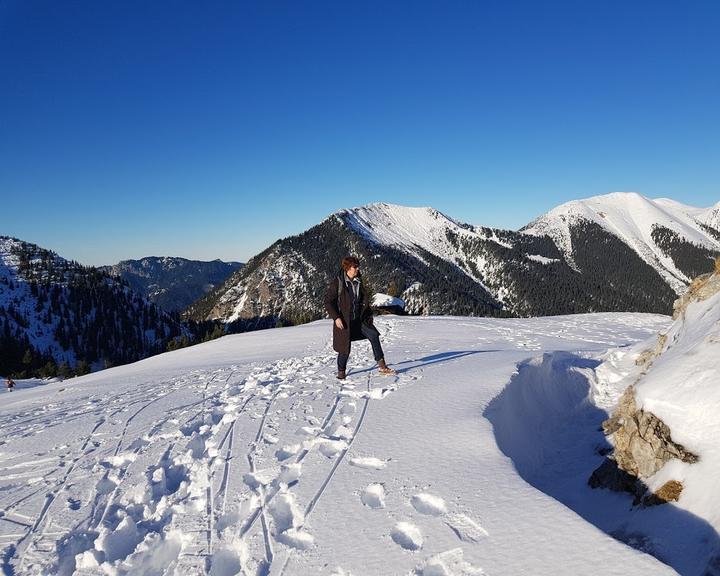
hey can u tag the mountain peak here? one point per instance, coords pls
(402, 226)
(634, 219)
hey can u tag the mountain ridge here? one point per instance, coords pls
(56, 315)
(567, 261)
(172, 282)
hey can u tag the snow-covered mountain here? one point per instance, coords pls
(170, 282)
(59, 315)
(677, 241)
(619, 252)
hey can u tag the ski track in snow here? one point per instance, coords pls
(183, 464)
(200, 474)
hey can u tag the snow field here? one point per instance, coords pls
(247, 456)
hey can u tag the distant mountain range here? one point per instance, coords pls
(57, 316)
(173, 283)
(617, 252)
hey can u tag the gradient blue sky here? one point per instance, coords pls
(210, 129)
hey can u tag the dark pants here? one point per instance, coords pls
(371, 334)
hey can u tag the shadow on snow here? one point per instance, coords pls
(546, 422)
(402, 367)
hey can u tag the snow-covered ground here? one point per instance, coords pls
(246, 456)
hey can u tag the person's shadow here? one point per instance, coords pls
(413, 364)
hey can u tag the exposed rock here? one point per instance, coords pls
(643, 445)
(626, 406)
(700, 289)
(642, 442)
(668, 492)
(647, 357)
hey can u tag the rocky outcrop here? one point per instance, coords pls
(642, 442)
(643, 445)
(700, 289)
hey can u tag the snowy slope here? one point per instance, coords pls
(16, 293)
(711, 216)
(394, 225)
(631, 217)
(408, 229)
(708, 216)
(681, 388)
(412, 228)
(246, 456)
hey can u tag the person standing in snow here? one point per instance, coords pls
(10, 383)
(347, 304)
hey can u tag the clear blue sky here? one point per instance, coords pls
(210, 129)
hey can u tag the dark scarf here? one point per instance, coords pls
(354, 286)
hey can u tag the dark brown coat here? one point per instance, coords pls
(338, 303)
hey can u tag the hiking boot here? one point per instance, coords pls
(341, 375)
(384, 368)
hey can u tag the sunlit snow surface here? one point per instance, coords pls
(246, 456)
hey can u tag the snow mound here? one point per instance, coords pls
(548, 420)
(387, 301)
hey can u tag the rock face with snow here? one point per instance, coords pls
(172, 283)
(620, 252)
(643, 444)
(664, 421)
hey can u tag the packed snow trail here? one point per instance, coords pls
(246, 456)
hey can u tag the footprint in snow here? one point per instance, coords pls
(369, 463)
(407, 536)
(428, 504)
(287, 451)
(465, 528)
(373, 496)
(338, 431)
(450, 563)
(348, 409)
(287, 522)
(270, 439)
(331, 448)
(296, 538)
